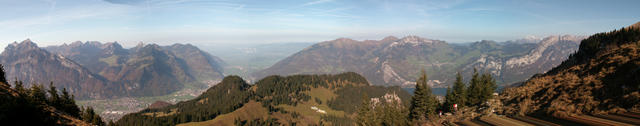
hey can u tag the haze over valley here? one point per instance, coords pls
(319, 62)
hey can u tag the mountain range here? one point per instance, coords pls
(396, 61)
(95, 70)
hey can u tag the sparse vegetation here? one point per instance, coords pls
(601, 77)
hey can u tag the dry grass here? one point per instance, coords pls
(586, 88)
(161, 114)
(251, 110)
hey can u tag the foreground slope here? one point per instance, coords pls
(301, 99)
(395, 61)
(603, 76)
(19, 109)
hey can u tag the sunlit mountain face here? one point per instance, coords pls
(395, 61)
(319, 62)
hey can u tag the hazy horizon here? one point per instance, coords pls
(206, 22)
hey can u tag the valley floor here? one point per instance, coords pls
(114, 109)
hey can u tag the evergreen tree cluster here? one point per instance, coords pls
(36, 105)
(382, 113)
(424, 105)
(480, 90)
(89, 115)
(257, 122)
(349, 97)
(457, 95)
(423, 102)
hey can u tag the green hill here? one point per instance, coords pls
(299, 99)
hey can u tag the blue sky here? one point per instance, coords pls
(52, 22)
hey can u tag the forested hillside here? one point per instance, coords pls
(299, 99)
(37, 105)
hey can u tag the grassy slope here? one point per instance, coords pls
(254, 110)
(251, 110)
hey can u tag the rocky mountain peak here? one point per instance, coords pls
(342, 40)
(76, 44)
(113, 48)
(184, 46)
(115, 45)
(415, 40)
(152, 46)
(412, 40)
(527, 39)
(556, 38)
(25, 45)
(389, 38)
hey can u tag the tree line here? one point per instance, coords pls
(424, 105)
(32, 105)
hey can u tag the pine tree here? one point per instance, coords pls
(3, 77)
(97, 120)
(89, 115)
(423, 103)
(393, 114)
(365, 113)
(37, 94)
(488, 87)
(459, 92)
(20, 88)
(69, 104)
(475, 89)
(54, 98)
(448, 100)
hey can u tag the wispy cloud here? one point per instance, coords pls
(58, 16)
(316, 2)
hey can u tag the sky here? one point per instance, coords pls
(211, 22)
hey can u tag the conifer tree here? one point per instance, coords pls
(365, 113)
(475, 89)
(393, 114)
(54, 98)
(3, 77)
(69, 104)
(37, 94)
(459, 91)
(488, 86)
(448, 100)
(423, 103)
(20, 88)
(89, 115)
